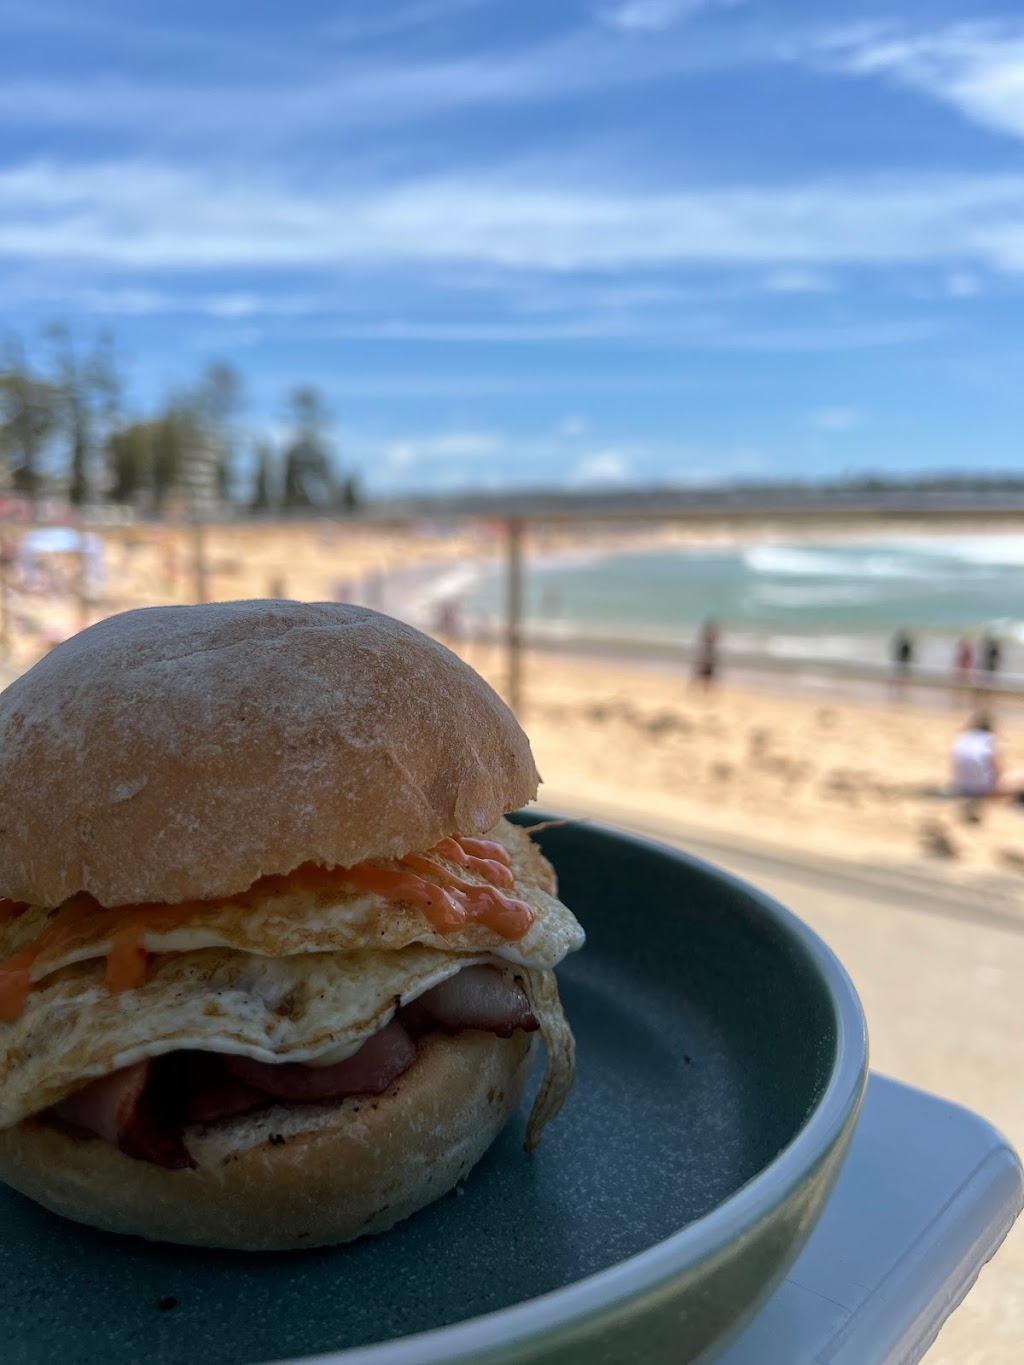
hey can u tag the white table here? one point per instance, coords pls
(927, 1194)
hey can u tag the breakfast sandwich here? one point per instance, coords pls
(273, 965)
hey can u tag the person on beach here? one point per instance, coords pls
(976, 769)
(990, 659)
(706, 657)
(902, 653)
(963, 667)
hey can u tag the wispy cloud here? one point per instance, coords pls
(458, 455)
(797, 281)
(961, 284)
(837, 336)
(572, 425)
(489, 330)
(387, 21)
(140, 215)
(223, 339)
(114, 300)
(836, 418)
(332, 93)
(978, 68)
(603, 468)
(522, 383)
(45, 16)
(500, 456)
(428, 452)
(653, 16)
(508, 458)
(722, 335)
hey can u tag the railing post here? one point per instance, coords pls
(200, 591)
(82, 600)
(514, 614)
(6, 564)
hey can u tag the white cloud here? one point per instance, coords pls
(1004, 245)
(717, 334)
(797, 281)
(126, 301)
(126, 31)
(652, 16)
(71, 290)
(536, 459)
(572, 425)
(483, 329)
(836, 419)
(401, 457)
(961, 284)
(602, 468)
(620, 297)
(227, 338)
(441, 449)
(521, 383)
(334, 94)
(233, 306)
(978, 68)
(157, 216)
(398, 18)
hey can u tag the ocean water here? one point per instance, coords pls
(839, 601)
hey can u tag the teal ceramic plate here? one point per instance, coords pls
(721, 1060)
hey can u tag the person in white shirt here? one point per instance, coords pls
(975, 763)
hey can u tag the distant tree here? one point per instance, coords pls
(130, 461)
(262, 488)
(308, 478)
(173, 433)
(351, 499)
(148, 459)
(217, 400)
(89, 392)
(30, 411)
(105, 383)
(307, 411)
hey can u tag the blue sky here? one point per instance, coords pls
(578, 243)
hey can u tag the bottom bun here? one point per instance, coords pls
(291, 1176)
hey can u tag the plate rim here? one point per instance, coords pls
(646, 1272)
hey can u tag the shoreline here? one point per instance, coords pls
(806, 654)
(819, 680)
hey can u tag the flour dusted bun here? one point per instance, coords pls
(178, 753)
(295, 1176)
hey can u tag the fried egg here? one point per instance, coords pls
(298, 974)
(287, 918)
(291, 1009)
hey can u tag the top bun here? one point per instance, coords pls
(175, 753)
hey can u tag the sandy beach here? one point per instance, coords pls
(831, 801)
(827, 774)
